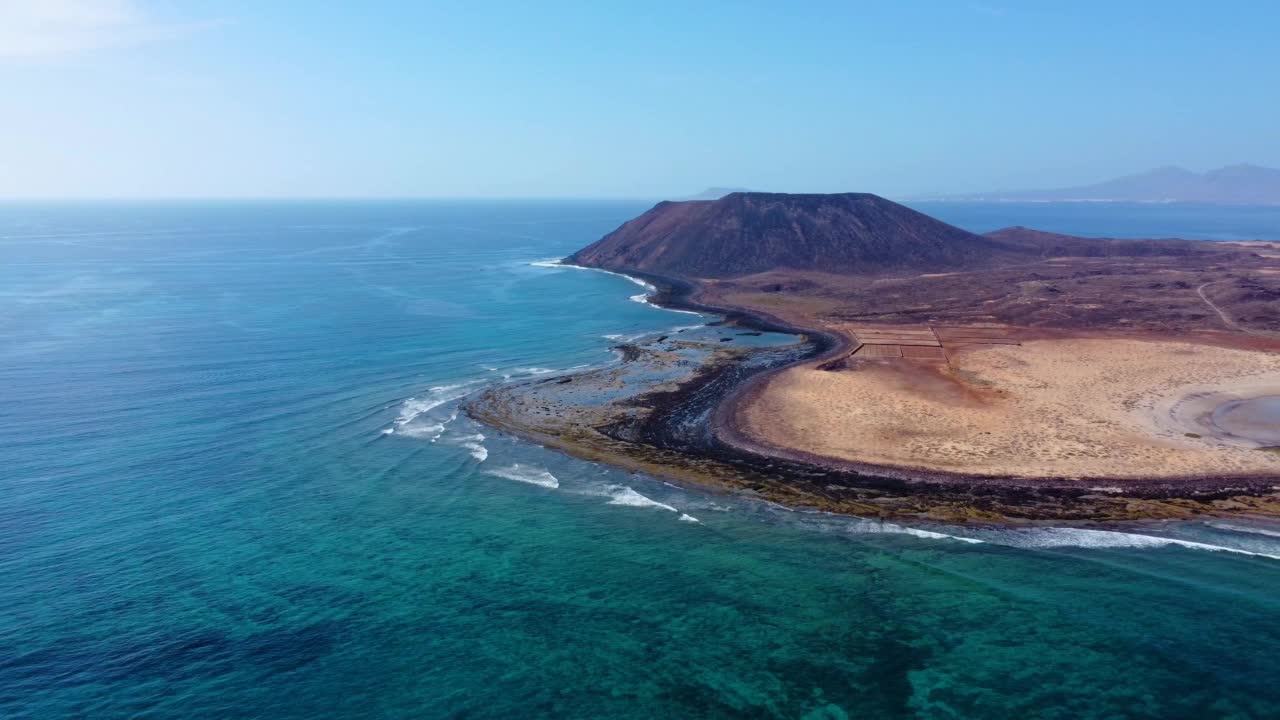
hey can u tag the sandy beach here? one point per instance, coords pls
(1061, 408)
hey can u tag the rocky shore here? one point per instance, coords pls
(671, 412)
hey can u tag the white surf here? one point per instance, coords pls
(531, 475)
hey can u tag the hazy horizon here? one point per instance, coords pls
(162, 99)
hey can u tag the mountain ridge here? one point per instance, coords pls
(713, 193)
(1241, 184)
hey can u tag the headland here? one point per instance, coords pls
(1017, 375)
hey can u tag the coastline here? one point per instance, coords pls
(719, 454)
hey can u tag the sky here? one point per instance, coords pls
(276, 98)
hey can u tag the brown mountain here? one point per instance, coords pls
(750, 232)
(1048, 244)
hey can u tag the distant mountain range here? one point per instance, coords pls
(1234, 184)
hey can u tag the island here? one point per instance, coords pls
(1018, 374)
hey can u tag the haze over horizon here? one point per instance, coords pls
(162, 98)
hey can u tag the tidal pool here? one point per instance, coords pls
(1256, 419)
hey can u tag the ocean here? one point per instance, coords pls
(234, 483)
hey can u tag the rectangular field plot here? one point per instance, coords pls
(918, 352)
(883, 351)
(925, 342)
(899, 341)
(975, 335)
(921, 333)
(981, 341)
(961, 330)
(922, 336)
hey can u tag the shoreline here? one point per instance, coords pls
(728, 430)
(663, 444)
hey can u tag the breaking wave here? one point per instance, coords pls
(619, 337)
(431, 432)
(531, 475)
(534, 370)
(623, 495)
(1052, 537)
(1246, 530)
(872, 527)
(411, 421)
(473, 444)
(643, 297)
(523, 372)
(1086, 538)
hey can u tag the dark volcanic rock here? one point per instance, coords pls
(746, 233)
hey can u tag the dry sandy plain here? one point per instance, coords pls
(1071, 407)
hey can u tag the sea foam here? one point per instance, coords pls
(640, 298)
(622, 495)
(473, 443)
(534, 370)
(431, 432)
(1086, 538)
(530, 475)
(1053, 537)
(1246, 530)
(887, 528)
(407, 421)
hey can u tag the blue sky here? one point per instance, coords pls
(154, 98)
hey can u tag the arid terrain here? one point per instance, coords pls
(1018, 353)
(1226, 287)
(1081, 407)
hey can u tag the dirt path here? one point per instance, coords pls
(1225, 317)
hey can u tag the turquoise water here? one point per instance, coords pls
(233, 484)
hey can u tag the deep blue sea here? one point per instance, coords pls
(234, 484)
